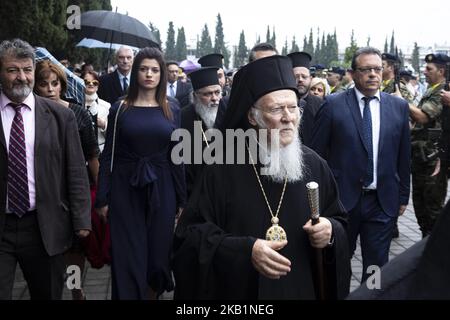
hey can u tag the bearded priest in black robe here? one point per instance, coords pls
(220, 247)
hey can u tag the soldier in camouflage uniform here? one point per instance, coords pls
(429, 186)
(334, 78)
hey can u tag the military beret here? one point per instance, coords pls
(405, 73)
(438, 58)
(389, 57)
(337, 70)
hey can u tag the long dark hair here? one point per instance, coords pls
(161, 89)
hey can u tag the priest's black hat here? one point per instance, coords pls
(300, 59)
(204, 77)
(438, 58)
(212, 60)
(253, 81)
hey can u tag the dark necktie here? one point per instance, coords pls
(18, 193)
(125, 84)
(172, 91)
(367, 134)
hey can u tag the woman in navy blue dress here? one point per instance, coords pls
(142, 191)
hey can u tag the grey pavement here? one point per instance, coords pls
(97, 282)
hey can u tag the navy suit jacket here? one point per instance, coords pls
(338, 138)
(110, 88)
(184, 90)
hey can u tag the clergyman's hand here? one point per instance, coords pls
(320, 233)
(402, 209)
(268, 261)
(437, 168)
(83, 233)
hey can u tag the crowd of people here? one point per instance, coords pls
(95, 179)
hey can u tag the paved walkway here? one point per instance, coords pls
(97, 282)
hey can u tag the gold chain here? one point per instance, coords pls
(262, 188)
(204, 135)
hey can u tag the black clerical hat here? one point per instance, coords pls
(438, 58)
(253, 81)
(405, 73)
(212, 60)
(204, 77)
(389, 57)
(300, 59)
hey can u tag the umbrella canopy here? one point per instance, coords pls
(189, 66)
(92, 43)
(75, 85)
(112, 27)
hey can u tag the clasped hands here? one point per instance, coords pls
(272, 264)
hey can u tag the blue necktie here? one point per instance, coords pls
(367, 135)
(125, 84)
(172, 92)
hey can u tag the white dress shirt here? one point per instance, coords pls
(29, 120)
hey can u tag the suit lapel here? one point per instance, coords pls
(117, 85)
(42, 122)
(2, 134)
(353, 105)
(384, 107)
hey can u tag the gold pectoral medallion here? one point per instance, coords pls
(275, 232)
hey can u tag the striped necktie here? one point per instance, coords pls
(18, 193)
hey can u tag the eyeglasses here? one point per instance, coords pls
(209, 94)
(279, 110)
(91, 83)
(368, 70)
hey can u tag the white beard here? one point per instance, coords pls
(284, 162)
(207, 113)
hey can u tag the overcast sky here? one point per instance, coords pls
(411, 21)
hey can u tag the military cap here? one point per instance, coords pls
(318, 67)
(212, 60)
(438, 58)
(405, 73)
(300, 59)
(204, 77)
(338, 70)
(389, 57)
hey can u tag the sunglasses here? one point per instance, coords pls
(89, 83)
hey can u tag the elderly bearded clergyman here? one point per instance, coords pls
(220, 251)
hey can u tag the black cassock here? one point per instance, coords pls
(188, 122)
(227, 213)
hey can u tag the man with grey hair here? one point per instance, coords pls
(235, 230)
(115, 85)
(363, 134)
(203, 114)
(44, 188)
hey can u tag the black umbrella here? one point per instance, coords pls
(112, 27)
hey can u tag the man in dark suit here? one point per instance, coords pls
(300, 64)
(203, 114)
(44, 188)
(364, 136)
(176, 88)
(114, 85)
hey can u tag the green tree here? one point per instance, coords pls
(273, 39)
(415, 58)
(285, 49)
(318, 57)
(305, 43)
(181, 48)
(219, 42)
(268, 39)
(402, 59)
(368, 42)
(240, 58)
(156, 33)
(386, 47)
(205, 43)
(324, 50)
(170, 53)
(392, 46)
(350, 51)
(294, 46)
(310, 45)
